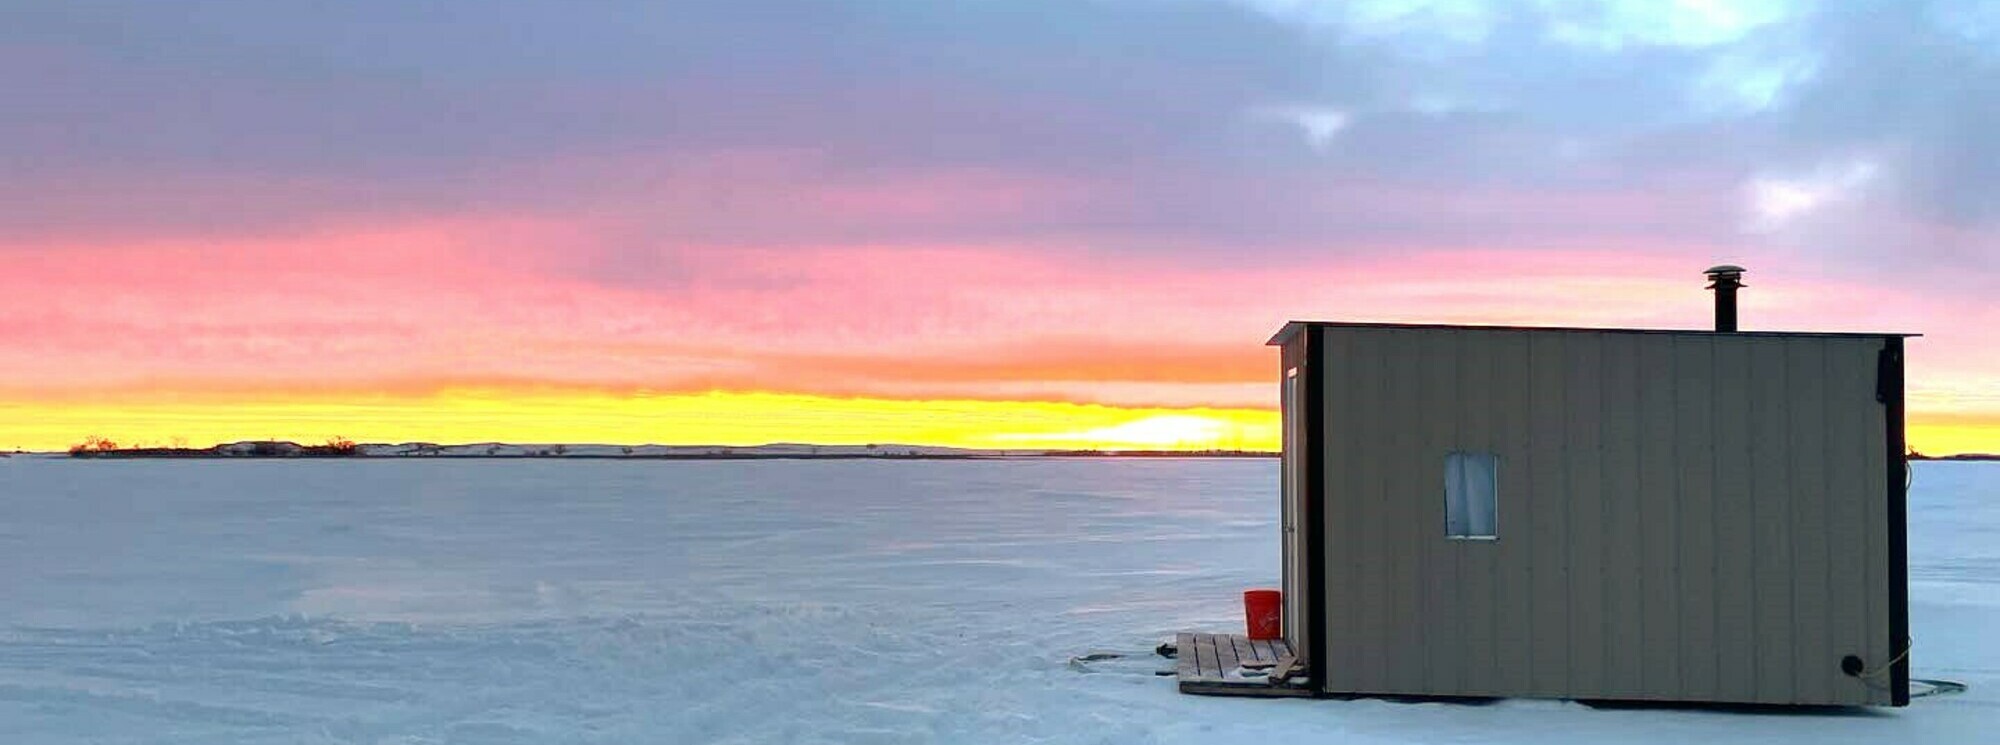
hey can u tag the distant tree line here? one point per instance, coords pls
(95, 446)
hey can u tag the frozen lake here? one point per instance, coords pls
(545, 601)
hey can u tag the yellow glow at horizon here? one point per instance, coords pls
(1161, 431)
(736, 419)
(1951, 435)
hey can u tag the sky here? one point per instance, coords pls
(989, 223)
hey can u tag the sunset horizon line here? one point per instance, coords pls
(1163, 429)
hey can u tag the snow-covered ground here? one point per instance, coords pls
(508, 449)
(552, 601)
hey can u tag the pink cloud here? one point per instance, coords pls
(602, 297)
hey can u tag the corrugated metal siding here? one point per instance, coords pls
(1295, 570)
(1682, 516)
(1439, 567)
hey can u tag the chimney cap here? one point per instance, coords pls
(1724, 269)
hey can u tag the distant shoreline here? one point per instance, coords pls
(778, 451)
(198, 455)
(739, 456)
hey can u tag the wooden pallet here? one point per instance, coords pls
(1208, 665)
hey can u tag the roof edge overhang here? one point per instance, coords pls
(1286, 332)
(1292, 328)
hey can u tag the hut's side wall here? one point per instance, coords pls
(1694, 517)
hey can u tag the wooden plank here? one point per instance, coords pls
(1225, 656)
(1245, 650)
(1252, 690)
(1225, 650)
(1184, 664)
(1287, 667)
(1205, 658)
(1207, 662)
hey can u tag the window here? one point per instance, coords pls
(1471, 501)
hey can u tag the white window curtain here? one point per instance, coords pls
(1471, 501)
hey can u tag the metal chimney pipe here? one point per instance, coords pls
(1725, 280)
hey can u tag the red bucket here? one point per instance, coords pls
(1261, 613)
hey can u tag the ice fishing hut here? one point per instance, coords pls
(1615, 514)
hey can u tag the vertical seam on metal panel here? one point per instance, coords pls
(1461, 654)
(1870, 602)
(1604, 521)
(1755, 492)
(1673, 527)
(1385, 511)
(1287, 453)
(1427, 632)
(1312, 449)
(1496, 436)
(1826, 488)
(1315, 364)
(1639, 503)
(1715, 519)
(1528, 471)
(1427, 535)
(1421, 581)
(1570, 530)
(1790, 519)
(1352, 513)
(1566, 470)
(1674, 514)
(1871, 538)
